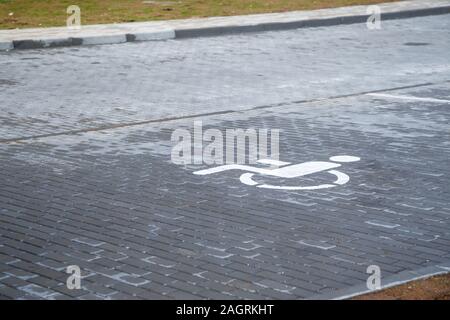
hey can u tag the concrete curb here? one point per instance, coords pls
(83, 40)
(311, 23)
(395, 280)
(214, 26)
(6, 45)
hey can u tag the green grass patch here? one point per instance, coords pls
(48, 13)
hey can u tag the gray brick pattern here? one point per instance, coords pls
(59, 90)
(140, 227)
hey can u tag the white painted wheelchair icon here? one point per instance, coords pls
(286, 170)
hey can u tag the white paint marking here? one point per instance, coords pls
(292, 171)
(322, 186)
(273, 162)
(287, 171)
(345, 159)
(391, 96)
(246, 178)
(383, 224)
(316, 244)
(304, 169)
(342, 178)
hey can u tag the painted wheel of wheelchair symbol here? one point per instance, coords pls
(342, 178)
(286, 170)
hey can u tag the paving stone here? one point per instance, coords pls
(140, 227)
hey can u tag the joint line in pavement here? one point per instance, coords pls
(144, 122)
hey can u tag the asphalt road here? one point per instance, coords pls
(87, 178)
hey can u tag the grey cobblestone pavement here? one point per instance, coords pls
(99, 190)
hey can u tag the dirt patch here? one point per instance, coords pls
(434, 288)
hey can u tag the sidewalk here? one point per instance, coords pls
(145, 31)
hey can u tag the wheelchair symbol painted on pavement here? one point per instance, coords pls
(285, 170)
